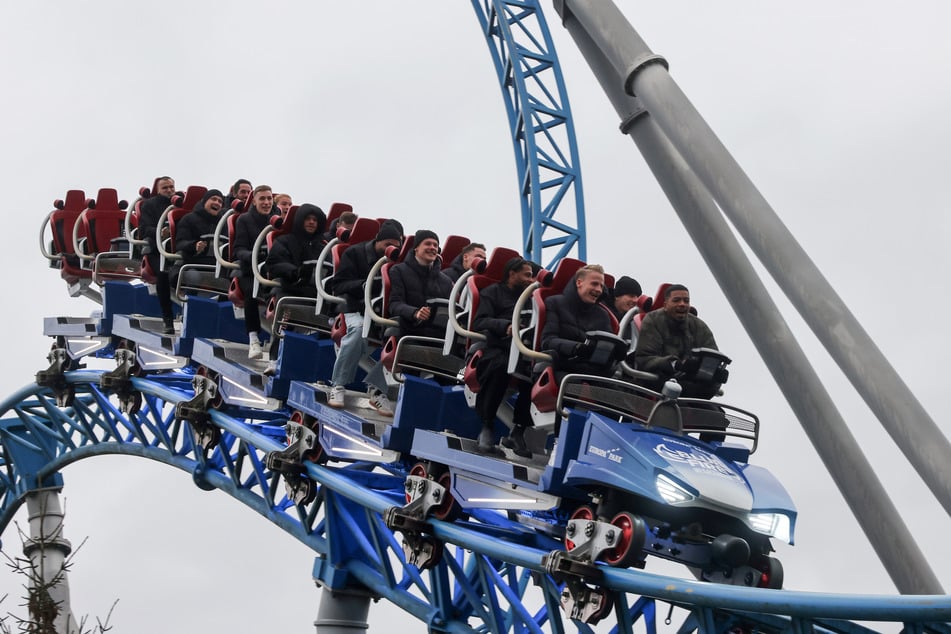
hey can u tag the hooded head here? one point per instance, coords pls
(306, 211)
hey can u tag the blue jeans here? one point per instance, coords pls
(352, 348)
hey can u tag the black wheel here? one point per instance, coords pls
(431, 552)
(607, 604)
(627, 552)
(583, 512)
(772, 570)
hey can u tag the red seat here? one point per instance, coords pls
(451, 248)
(336, 210)
(62, 219)
(647, 304)
(104, 221)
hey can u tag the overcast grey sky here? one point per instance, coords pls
(837, 112)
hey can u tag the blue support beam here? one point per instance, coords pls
(543, 135)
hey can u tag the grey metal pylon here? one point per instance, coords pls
(48, 552)
(815, 409)
(645, 75)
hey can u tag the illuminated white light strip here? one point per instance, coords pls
(165, 358)
(93, 344)
(368, 450)
(503, 500)
(254, 398)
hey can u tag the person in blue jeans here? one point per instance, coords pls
(348, 283)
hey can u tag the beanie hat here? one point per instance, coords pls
(388, 231)
(627, 286)
(209, 194)
(424, 234)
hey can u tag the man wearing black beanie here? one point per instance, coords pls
(623, 297)
(415, 281)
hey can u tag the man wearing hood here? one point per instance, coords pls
(293, 255)
(572, 314)
(193, 234)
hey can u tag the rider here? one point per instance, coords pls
(666, 338)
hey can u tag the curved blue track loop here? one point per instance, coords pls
(546, 153)
(491, 572)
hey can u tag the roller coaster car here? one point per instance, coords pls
(634, 472)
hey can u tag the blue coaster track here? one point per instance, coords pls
(491, 572)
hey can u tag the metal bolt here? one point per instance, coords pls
(609, 537)
(571, 530)
(589, 529)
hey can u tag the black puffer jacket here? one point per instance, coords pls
(351, 275)
(567, 319)
(494, 315)
(195, 226)
(149, 213)
(292, 256)
(411, 284)
(246, 229)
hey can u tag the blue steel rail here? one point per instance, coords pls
(491, 573)
(541, 128)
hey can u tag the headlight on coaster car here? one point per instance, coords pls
(773, 524)
(672, 492)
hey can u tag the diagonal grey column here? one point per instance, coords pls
(788, 364)
(645, 75)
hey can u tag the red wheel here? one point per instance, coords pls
(583, 512)
(448, 510)
(418, 469)
(627, 552)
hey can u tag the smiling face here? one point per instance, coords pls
(624, 303)
(244, 190)
(590, 285)
(521, 277)
(213, 205)
(264, 201)
(427, 251)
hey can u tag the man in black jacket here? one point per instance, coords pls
(247, 228)
(572, 314)
(349, 279)
(193, 235)
(414, 282)
(463, 262)
(149, 213)
(493, 318)
(293, 255)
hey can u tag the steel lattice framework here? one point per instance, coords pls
(546, 153)
(491, 577)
